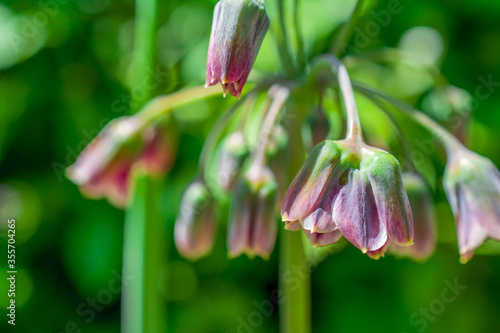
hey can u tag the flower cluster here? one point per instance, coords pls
(104, 167)
(357, 193)
(345, 188)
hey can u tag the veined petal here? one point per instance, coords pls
(310, 185)
(355, 213)
(393, 206)
(470, 232)
(319, 221)
(323, 239)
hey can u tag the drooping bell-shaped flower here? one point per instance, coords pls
(355, 192)
(238, 29)
(231, 156)
(472, 186)
(195, 226)
(424, 219)
(103, 168)
(253, 225)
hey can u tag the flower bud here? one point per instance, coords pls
(253, 227)
(472, 186)
(238, 29)
(194, 231)
(232, 155)
(424, 219)
(103, 168)
(357, 191)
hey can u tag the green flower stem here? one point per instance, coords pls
(282, 40)
(144, 252)
(294, 269)
(295, 283)
(280, 98)
(299, 39)
(450, 142)
(144, 243)
(353, 125)
(144, 257)
(347, 30)
(162, 106)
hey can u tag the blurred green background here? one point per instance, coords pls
(63, 75)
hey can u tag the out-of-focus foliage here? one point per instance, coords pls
(64, 76)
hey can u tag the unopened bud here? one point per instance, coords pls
(195, 226)
(238, 29)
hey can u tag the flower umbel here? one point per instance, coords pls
(357, 193)
(238, 29)
(472, 185)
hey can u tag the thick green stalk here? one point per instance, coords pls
(144, 255)
(294, 272)
(299, 39)
(282, 40)
(144, 252)
(295, 283)
(347, 30)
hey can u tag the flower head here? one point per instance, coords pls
(238, 29)
(472, 185)
(195, 226)
(103, 168)
(357, 193)
(253, 228)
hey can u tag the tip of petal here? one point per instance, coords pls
(465, 257)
